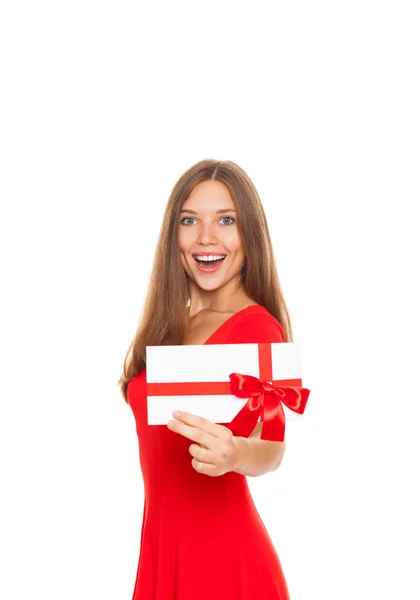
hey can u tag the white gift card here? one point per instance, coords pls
(195, 378)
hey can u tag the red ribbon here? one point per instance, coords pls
(264, 396)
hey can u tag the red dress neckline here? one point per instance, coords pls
(232, 317)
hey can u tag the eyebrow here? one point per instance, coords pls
(218, 212)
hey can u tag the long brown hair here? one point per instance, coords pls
(165, 307)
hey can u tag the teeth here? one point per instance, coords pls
(208, 258)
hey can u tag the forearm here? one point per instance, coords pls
(256, 456)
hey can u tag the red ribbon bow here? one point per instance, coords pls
(265, 397)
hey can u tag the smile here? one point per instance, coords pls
(209, 264)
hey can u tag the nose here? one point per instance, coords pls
(206, 234)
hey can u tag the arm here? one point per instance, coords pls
(257, 456)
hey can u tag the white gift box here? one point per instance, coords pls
(196, 378)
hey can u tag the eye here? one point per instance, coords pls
(233, 220)
(182, 221)
(192, 219)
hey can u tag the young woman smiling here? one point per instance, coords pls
(213, 281)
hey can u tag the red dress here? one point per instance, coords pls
(202, 537)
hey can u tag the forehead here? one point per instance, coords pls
(209, 195)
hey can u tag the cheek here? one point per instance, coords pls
(184, 264)
(232, 242)
(185, 239)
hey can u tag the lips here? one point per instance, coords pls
(208, 266)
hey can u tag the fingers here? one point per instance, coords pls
(203, 424)
(206, 469)
(193, 433)
(214, 444)
(201, 454)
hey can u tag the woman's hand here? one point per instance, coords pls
(216, 450)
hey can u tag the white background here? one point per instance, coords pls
(103, 106)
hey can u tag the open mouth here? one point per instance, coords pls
(209, 264)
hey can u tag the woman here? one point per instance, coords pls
(214, 281)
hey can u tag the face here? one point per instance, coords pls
(208, 226)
